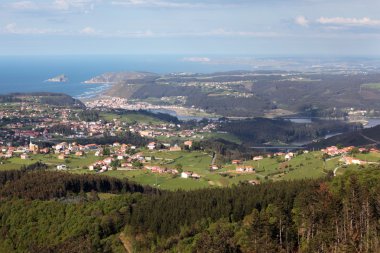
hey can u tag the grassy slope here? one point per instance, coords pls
(131, 118)
(303, 166)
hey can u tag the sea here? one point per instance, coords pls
(28, 73)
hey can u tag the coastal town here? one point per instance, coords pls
(142, 146)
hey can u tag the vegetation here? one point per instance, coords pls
(88, 115)
(369, 136)
(126, 137)
(141, 116)
(324, 215)
(253, 94)
(261, 130)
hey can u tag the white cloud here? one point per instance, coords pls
(54, 5)
(196, 59)
(152, 34)
(74, 4)
(12, 28)
(24, 5)
(88, 31)
(348, 21)
(157, 3)
(222, 32)
(302, 21)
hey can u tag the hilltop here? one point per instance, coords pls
(48, 98)
(252, 93)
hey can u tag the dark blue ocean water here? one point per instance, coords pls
(27, 73)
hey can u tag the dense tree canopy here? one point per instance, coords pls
(44, 211)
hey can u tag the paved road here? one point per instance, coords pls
(369, 139)
(336, 169)
(213, 159)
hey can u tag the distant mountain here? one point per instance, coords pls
(58, 79)
(57, 99)
(253, 93)
(117, 77)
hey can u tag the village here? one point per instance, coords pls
(24, 121)
(180, 165)
(151, 150)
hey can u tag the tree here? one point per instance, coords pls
(178, 167)
(115, 163)
(106, 151)
(137, 165)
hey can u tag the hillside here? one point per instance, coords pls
(88, 213)
(253, 93)
(261, 130)
(58, 99)
(369, 136)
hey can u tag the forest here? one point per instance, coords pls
(368, 136)
(261, 130)
(42, 211)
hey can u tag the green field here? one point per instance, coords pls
(372, 86)
(302, 166)
(131, 118)
(73, 162)
(201, 136)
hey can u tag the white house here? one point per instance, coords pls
(108, 160)
(289, 156)
(196, 176)
(186, 174)
(61, 167)
(151, 145)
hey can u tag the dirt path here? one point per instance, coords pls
(127, 244)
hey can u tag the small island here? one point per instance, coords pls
(58, 79)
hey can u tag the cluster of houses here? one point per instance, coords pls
(348, 160)
(159, 170)
(153, 145)
(190, 174)
(46, 118)
(243, 168)
(335, 151)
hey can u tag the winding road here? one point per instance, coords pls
(369, 139)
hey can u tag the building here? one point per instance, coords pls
(254, 182)
(186, 174)
(99, 153)
(61, 167)
(236, 162)
(151, 146)
(108, 160)
(146, 133)
(245, 169)
(79, 153)
(24, 156)
(195, 176)
(351, 160)
(33, 147)
(62, 156)
(214, 167)
(258, 158)
(188, 144)
(175, 148)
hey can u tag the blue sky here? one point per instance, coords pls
(191, 27)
